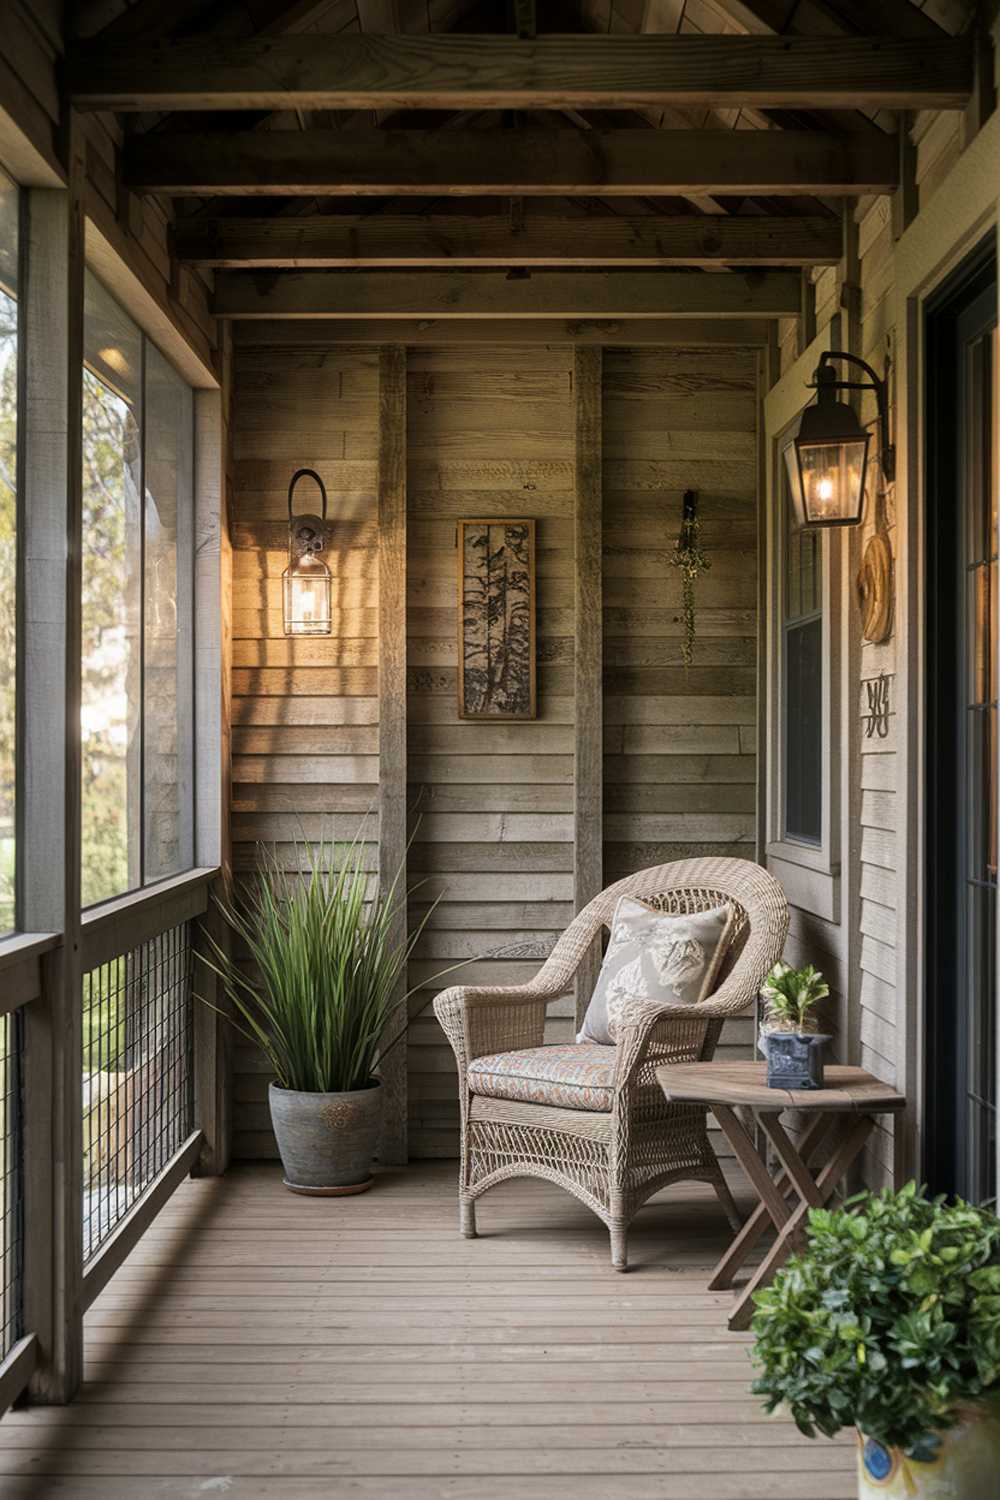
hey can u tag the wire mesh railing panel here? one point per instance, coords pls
(137, 1076)
(11, 1242)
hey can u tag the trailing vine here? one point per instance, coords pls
(692, 561)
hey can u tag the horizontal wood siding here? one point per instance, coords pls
(305, 711)
(490, 433)
(680, 743)
(880, 817)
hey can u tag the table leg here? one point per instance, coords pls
(760, 1218)
(815, 1195)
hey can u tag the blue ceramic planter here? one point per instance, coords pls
(795, 1060)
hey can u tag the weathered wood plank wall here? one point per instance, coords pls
(493, 431)
(680, 743)
(305, 711)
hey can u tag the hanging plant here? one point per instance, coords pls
(689, 557)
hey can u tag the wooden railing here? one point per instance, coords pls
(137, 1130)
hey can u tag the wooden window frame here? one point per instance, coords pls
(810, 873)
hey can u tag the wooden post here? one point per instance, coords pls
(588, 828)
(906, 198)
(49, 767)
(807, 313)
(392, 711)
(212, 1035)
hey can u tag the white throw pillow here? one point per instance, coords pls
(663, 958)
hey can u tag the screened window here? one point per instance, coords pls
(802, 678)
(136, 718)
(8, 542)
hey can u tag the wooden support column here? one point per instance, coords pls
(807, 312)
(392, 711)
(588, 828)
(49, 769)
(906, 198)
(212, 561)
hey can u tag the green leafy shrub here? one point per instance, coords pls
(790, 994)
(322, 982)
(889, 1319)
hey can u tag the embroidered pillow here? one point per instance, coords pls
(664, 958)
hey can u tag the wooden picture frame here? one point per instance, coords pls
(496, 618)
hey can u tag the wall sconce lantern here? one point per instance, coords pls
(306, 591)
(828, 460)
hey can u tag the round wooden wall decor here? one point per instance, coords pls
(875, 589)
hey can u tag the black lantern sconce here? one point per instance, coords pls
(828, 460)
(306, 592)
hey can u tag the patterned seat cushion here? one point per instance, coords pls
(571, 1076)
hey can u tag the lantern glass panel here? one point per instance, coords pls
(831, 481)
(307, 597)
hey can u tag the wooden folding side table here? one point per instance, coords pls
(841, 1117)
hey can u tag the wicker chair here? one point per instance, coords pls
(615, 1154)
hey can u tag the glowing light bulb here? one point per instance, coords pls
(824, 490)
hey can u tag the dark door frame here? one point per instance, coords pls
(965, 305)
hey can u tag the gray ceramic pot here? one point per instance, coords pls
(327, 1141)
(795, 1059)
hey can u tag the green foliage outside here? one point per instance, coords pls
(889, 1320)
(103, 1017)
(110, 450)
(110, 470)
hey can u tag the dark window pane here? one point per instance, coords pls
(804, 731)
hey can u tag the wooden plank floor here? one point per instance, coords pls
(260, 1345)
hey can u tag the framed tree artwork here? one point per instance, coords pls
(496, 619)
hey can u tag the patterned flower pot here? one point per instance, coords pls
(327, 1141)
(960, 1464)
(795, 1059)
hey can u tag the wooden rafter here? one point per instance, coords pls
(526, 162)
(318, 241)
(737, 333)
(500, 72)
(486, 294)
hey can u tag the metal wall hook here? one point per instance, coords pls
(306, 474)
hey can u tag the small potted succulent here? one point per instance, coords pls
(889, 1321)
(789, 1030)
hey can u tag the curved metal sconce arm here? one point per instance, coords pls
(887, 449)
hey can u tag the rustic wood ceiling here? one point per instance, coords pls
(521, 189)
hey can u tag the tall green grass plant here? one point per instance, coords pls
(322, 984)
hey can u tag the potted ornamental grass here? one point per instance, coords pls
(320, 990)
(889, 1322)
(789, 1029)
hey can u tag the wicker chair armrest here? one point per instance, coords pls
(480, 1019)
(641, 1024)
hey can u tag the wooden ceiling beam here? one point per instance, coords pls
(687, 333)
(502, 72)
(383, 163)
(448, 295)
(327, 241)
